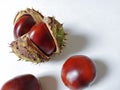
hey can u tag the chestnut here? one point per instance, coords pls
(22, 82)
(78, 71)
(40, 35)
(23, 25)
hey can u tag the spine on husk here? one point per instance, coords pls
(25, 49)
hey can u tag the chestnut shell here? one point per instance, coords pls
(25, 49)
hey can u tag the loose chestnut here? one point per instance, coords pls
(78, 72)
(23, 25)
(37, 37)
(23, 82)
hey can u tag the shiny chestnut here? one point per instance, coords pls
(40, 35)
(23, 25)
(22, 82)
(78, 72)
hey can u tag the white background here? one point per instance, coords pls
(93, 28)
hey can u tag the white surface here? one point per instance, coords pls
(93, 28)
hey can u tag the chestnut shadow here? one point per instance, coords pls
(48, 83)
(101, 71)
(74, 43)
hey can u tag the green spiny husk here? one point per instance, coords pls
(57, 32)
(38, 17)
(24, 48)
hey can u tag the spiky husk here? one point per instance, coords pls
(57, 32)
(25, 49)
(38, 17)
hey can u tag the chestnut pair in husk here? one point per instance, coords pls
(37, 37)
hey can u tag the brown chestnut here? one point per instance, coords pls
(22, 82)
(23, 25)
(78, 72)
